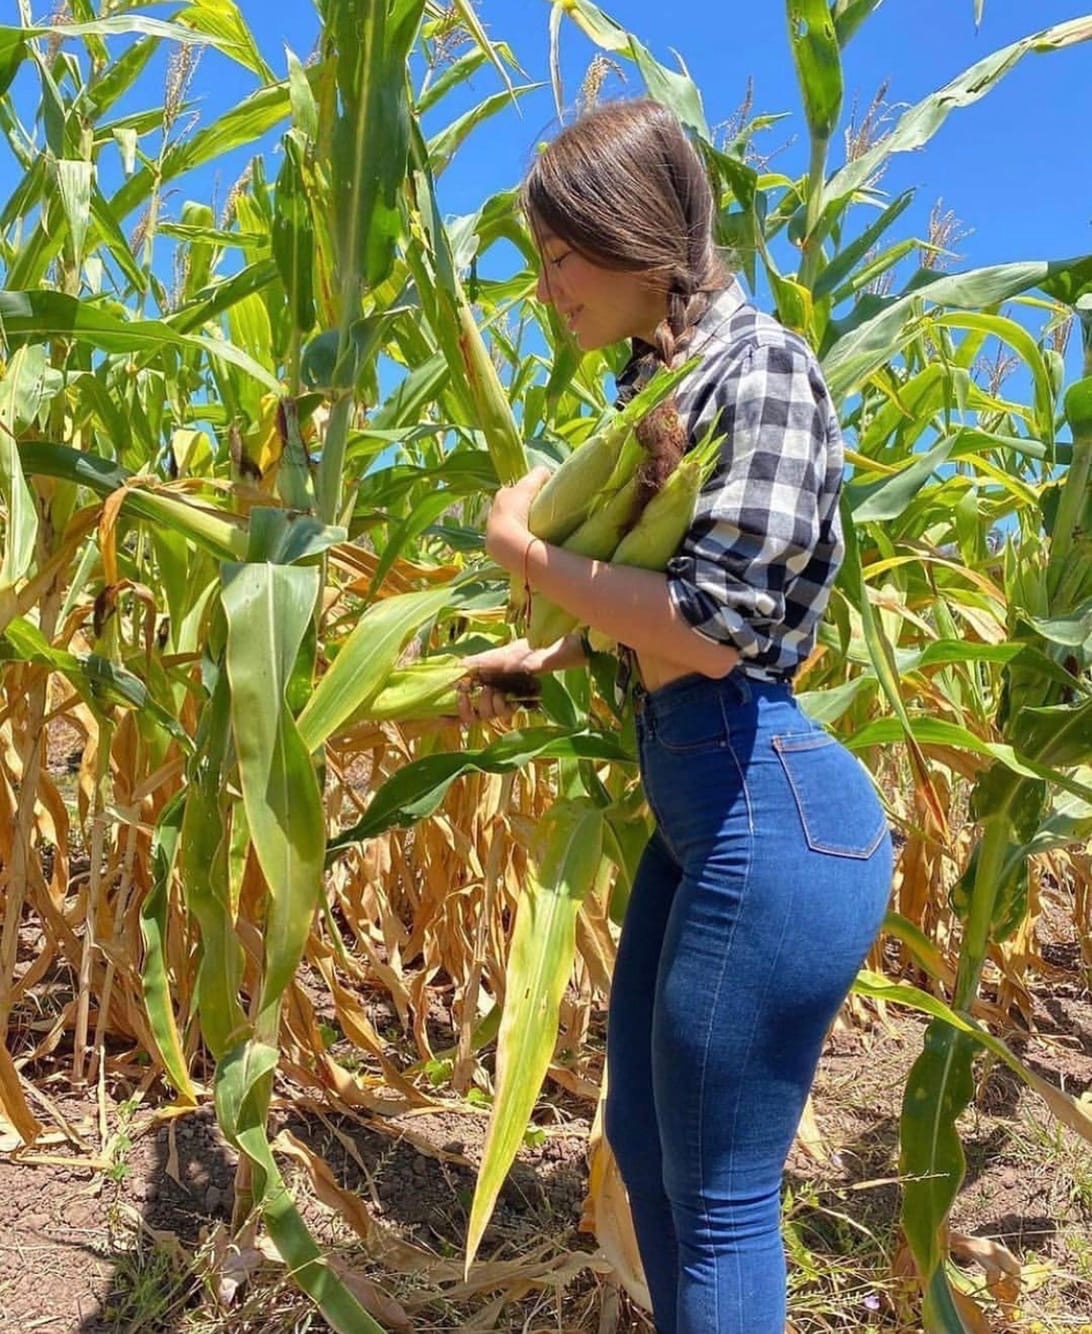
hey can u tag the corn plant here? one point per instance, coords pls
(210, 573)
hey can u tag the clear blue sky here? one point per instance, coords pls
(1016, 167)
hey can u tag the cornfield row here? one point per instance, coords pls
(223, 532)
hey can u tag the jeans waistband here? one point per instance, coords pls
(737, 689)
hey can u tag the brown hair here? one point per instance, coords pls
(624, 186)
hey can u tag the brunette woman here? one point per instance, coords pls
(767, 875)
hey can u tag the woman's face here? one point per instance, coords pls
(599, 306)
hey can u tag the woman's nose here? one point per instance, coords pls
(542, 288)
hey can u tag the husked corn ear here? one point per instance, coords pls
(596, 538)
(419, 690)
(570, 492)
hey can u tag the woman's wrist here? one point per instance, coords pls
(510, 546)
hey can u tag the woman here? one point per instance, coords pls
(767, 875)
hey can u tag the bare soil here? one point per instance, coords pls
(75, 1238)
(114, 1231)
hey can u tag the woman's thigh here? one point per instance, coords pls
(785, 872)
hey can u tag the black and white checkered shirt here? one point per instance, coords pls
(756, 566)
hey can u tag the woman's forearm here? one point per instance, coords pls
(631, 606)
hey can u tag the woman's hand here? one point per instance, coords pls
(487, 689)
(506, 531)
(499, 680)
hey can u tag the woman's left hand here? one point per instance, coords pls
(506, 531)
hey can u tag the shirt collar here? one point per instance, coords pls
(638, 369)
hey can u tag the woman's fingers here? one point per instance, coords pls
(479, 702)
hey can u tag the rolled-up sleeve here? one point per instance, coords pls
(759, 522)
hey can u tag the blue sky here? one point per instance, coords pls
(1015, 168)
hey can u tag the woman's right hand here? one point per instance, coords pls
(487, 689)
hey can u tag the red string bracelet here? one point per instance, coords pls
(527, 594)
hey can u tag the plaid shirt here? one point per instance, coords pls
(756, 566)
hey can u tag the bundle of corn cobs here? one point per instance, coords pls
(592, 504)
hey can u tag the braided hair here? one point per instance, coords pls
(624, 186)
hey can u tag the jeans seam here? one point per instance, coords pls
(713, 1007)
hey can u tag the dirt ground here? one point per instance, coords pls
(82, 1247)
(126, 1230)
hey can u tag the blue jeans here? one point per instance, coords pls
(755, 902)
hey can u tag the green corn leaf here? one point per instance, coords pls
(427, 510)
(849, 15)
(305, 114)
(1018, 338)
(675, 90)
(204, 527)
(443, 145)
(244, 1080)
(237, 128)
(417, 789)
(118, 75)
(540, 962)
(222, 22)
(918, 125)
(269, 609)
(212, 300)
(493, 51)
(43, 316)
(371, 135)
(832, 275)
(365, 660)
(107, 227)
(154, 975)
(13, 49)
(1068, 822)
(293, 234)
(932, 1164)
(75, 181)
(1073, 629)
(474, 375)
(101, 683)
(1071, 1111)
(883, 659)
(889, 497)
(453, 75)
(1059, 734)
(22, 393)
(203, 855)
(121, 26)
(881, 327)
(937, 732)
(818, 64)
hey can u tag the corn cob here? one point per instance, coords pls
(596, 538)
(656, 535)
(568, 496)
(428, 689)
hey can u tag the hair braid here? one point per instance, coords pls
(661, 431)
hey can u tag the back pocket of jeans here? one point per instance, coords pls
(838, 808)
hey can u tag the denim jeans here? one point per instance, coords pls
(755, 902)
